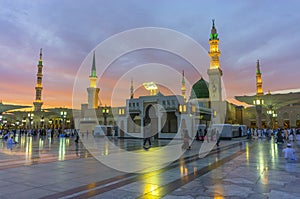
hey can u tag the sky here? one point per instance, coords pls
(69, 31)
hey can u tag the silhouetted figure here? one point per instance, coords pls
(147, 133)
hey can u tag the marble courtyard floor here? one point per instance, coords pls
(39, 167)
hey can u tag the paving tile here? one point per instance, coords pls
(280, 195)
(117, 194)
(258, 175)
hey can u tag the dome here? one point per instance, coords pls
(200, 90)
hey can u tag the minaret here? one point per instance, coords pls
(131, 90)
(214, 72)
(183, 89)
(38, 88)
(93, 91)
(259, 90)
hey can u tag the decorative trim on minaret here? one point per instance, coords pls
(183, 89)
(214, 52)
(259, 90)
(93, 91)
(131, 90)
(39, 87)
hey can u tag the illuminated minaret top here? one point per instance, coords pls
(259, 90)
(214, 52)
(38, 88)
(131, 90)
(93, 91)
(183, 89)
(93, 76)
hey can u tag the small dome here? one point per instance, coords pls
(200, 90)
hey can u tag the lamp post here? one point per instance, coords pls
(105, 112)
(270, 112)
(1, 117)
(50, 123)
(258, 105)
(23, 124)
(42, 122)
(30, 116)
(5, 123)
(274, 115)
(63, 115)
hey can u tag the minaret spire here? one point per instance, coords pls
(183, 89)
(93, 91)
(41, 54)
(39, 87)
(259, 90)
(131, 89)
(93, 71)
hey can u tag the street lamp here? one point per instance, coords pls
(5, 123)
(24, 122)
(105, 112)
(258, 105)
(270, 112)
(30, 116)
(1, 117)
(63, 115)
(50, 123)
(42, 122)
(274, 115)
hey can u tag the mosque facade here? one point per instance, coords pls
(168, 113)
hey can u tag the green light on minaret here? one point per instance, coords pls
(214, 34)
(257, 67)
(93, 72)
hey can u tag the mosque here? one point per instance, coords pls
(204, 106)
(168, 113)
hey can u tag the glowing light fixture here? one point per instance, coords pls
(151, 86)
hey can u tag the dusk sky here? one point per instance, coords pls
(68, 31)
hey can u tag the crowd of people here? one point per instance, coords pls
(280, 135)
(287, 136)
(10, 135)
(51, 132)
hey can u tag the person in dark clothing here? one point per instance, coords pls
(147, 133)
(77, 136)
(218, 136)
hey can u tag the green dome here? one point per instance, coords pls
(200, 89)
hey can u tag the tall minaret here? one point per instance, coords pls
(214, 72)
(183, 89)
(131, 90)
(38, 88)
(93, 91)
(259, 90)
